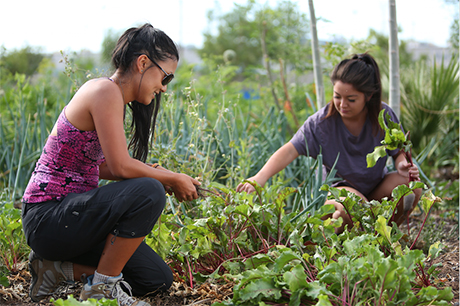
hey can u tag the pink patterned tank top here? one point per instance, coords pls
(69, 163)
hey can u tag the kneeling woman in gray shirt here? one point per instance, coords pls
(347, 125)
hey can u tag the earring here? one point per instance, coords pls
(142, 71)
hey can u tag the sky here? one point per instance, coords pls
(76, 25)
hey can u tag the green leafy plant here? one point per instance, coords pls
(369, 267)
(12, 240)
(429, 95)
(394, 139)
(71, 301)
(227, 228)
(25, 121)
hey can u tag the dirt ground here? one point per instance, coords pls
(449, 271)
(208, 293)
(178, 294)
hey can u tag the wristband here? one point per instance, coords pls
(155, 165)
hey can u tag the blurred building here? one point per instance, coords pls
(428, 50)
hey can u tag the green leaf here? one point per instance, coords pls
(257, 260)
(445, 294)
(296, 297)
(397, 248)
(382, 123)
(71, 301)
(357, 245)
(242, 209)
(386, 271)
(260, 288)
(399, 192)
(383, 229)
(314, 289)
(296, 278)
(434, 296)
(428, 200)
(185, 249)
(373, 157)
(398, 135)
(4, 281)
(374, 255)
(410, 258)
(283, 259)
(234, 267)
(331, 274)
(325, 210)
(435, 249)
(323, 300)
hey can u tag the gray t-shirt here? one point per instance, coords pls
(331, 137)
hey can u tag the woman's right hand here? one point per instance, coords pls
(277, 162)
(184, 187)
(246, 187)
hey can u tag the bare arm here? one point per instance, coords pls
(105, 174)
(101, 105)
(277, 162)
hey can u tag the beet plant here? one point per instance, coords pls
(278, 248)
(252, 240)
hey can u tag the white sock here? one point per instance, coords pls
(99, 278)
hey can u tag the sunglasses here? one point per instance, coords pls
(168, 76)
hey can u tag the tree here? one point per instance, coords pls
(320, 99)
(22, 61)
(454, 28)
(394, 60)
(241, 30)
(108, 45)
(454, 34)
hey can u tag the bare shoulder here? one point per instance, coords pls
(100, 89)
(98, 93)
(104, 96)
(94, 97)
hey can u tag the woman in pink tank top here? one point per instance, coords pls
(76, 228)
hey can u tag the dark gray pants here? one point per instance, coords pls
(75, 229)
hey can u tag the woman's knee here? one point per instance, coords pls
(152, 189)
(148, 185)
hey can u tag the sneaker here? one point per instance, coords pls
(110, 290)
(46, 277)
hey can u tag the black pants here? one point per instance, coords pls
(76, 228)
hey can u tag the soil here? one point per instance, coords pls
(178, 294)
(209, 293)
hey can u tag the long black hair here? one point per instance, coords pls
(361, 71)
(158, 46)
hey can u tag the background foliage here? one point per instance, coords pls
(220, 121)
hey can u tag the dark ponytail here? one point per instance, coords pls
(159, 47)
(363, 73)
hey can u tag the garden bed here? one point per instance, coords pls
(441, 226)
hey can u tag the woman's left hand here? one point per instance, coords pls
(405, 169)
(184, 187)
